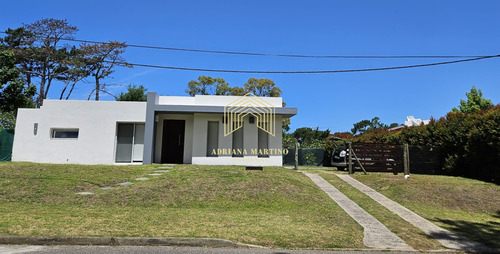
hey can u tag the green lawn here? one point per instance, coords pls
(468, 207)
(276, 207)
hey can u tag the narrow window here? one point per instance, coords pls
(212, 138)
(238, 143)
(263, 145)
(64, 134)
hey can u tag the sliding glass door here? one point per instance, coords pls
(129, 142)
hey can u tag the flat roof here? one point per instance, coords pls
(190, 109)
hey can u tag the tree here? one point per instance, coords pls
(14, 93)
(365, 126)
(475, 102)
(45, 58)
(208, 86)
(306, 136)
(101, 58)
(262, 87)
(72, 71)
(134, 93)
(218, 86)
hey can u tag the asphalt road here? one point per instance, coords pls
(11, 249)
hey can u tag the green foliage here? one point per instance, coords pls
(7, 120)
(288, 140)
(208, 86)
(365, 126)
(14, 93)
(475, 102)
(470, 141)
(309, 138)
(134, 93)
(310, 158)
(262, 87)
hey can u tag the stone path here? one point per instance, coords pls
(155, 173)
(445, 237)
(376, 235)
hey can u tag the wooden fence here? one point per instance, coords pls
(377, 157)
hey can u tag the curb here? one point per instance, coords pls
(122, 241)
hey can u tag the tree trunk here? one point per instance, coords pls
(97, 88)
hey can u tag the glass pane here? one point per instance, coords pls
(263, 143)
(124, 142)
(238, 143)
(212, 138)
(138, 142)
(64, 133)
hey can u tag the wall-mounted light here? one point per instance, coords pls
(251, 119)
(157, 118)
(35, 128)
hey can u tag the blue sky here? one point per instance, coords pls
(333, 101)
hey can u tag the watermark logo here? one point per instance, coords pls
(249, 104)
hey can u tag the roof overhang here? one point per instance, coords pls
(191, 109)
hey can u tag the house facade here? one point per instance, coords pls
(204, 129)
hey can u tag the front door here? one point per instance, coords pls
(173, 141)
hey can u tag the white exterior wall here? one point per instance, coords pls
(97, 125)
(250, 141)
(95, 120)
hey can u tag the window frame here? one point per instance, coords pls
(53, 132)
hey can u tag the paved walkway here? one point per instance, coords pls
(445, 237)
(376, 235)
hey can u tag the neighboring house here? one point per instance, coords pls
(410, 121)
(165, 129)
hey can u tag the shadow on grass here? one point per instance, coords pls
(487, 232)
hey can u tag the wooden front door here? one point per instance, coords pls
(172, 150)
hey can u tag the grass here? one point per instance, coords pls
(465, 206)
(409, 233)
(275, 207)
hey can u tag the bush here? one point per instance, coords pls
(470, 141)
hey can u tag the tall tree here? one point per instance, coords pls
(46, 35)
(475, 102)
(101, 59)
(134, 93)
(206, 85)
(72, 71)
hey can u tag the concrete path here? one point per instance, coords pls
(445, 237)
(376, 235)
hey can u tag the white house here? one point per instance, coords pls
(204, 129)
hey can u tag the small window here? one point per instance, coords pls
(212, 138)
(64, 134)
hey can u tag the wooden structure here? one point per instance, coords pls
(376, 157)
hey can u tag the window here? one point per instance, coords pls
(212, 138)
(129, 142)
(263, 141)
(64, 134)
(237, 142)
